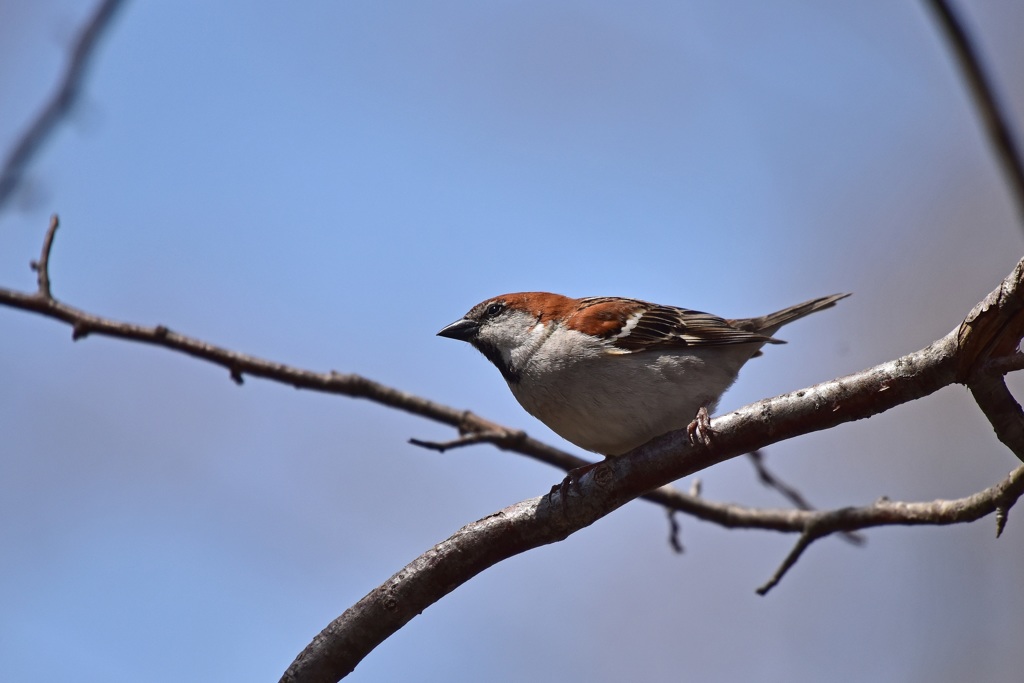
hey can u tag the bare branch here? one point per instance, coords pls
(767, 478)
(994, 120)
(993, 327)
(42, 266)
(998, 499)
(467, 423)
(1002, 411)
(539, 521)
(340, 646)
(1005, 364)
(976, 354)
(802, 544)
(62, 101)
(467, 440)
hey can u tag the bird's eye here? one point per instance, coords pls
(494, 309)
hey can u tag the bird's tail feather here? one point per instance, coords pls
(768, 324)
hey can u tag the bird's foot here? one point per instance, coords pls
(699, 431)
(572, 480)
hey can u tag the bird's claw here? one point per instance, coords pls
(572, 480)
(699, 431)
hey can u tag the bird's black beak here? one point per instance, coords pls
(463, 330)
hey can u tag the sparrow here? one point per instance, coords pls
(608, 373)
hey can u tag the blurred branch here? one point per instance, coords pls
(994, 120)
(62, 101)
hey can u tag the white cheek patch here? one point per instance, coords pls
(536, 334)
(518, 339)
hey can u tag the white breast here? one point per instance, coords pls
(611, 402)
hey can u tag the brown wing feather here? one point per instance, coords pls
(662, 327)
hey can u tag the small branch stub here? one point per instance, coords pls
(42, 266)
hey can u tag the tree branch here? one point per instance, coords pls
(888, 513)
(977, 353)
(1001, 409)
(982, 337)
(42, 266)
(539, 521)
(472, 428)
(766, 477)
(968, 354)
(62, 101)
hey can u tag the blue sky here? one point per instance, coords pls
(328, 184)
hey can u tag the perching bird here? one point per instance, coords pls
(610, 374)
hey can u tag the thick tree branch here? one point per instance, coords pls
(539, 521)
(1001, 409)
(968, 354)
(977, 353)
(60, 103)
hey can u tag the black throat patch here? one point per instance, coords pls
(491, 353)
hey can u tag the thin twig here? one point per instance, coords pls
(467, 440)
(802, 544)
(42, 266)
(994, 499)
(62, 101)
(768, 478)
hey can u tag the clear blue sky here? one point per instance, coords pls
(327, 184)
